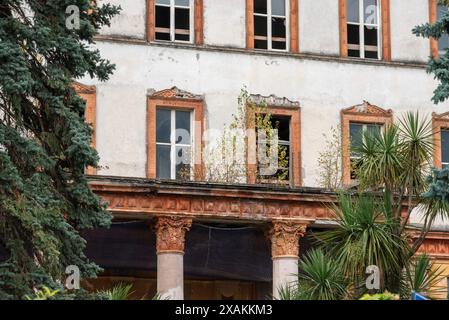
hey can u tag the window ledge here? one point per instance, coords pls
(259, 52)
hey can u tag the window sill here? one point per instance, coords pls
(262, 52)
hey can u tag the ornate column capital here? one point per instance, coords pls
(170, 234)
(284, 236)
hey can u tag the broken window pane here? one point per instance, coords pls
(163, 162)
(162, 23)
(353, 34)
(182, 24)
(163, 125)
(260, 26)
(278, 7)
(260, 6)
(353, 11)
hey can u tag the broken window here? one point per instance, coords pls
(363, 29)
(174, 20)
(282, 172)
(443, 41)
(356, 133)
(173, 144)
(444, 148)
(271, 24)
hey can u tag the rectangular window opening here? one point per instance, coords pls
(174, 144)
(271, 24)
(174, 20)
(363, 29)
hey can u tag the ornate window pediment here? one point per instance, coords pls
(273, 100)
(83, 89)
(173, 93)
(368, 109)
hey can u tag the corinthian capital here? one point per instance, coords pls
(170, 233)
(284, 236)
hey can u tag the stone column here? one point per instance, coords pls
(285, 235)
(170, 237)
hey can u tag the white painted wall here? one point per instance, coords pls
(322, 87)
(405, 15)
(319, 30)
(131, 21)
(224, 23)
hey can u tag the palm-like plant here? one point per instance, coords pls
(121, 291)
(321, 278)
(421, 276)
(365, 235)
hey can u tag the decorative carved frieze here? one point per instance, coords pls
(173, 93)
(272, 100)
(170, 233)
(284, 236)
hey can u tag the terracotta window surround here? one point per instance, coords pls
(385, 25)
(175, 99)
(294, 25)
(439, 122)
(89, 95)
(294, 113)
(198, 23)
(364, 113)
(433, 14)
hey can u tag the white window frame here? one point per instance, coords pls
(173, 143)
(172, 7)
(269, 16)
(361, 24)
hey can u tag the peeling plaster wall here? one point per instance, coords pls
(405, 15)
(319, 30)
(323, 88)
(224, 23)
(131, 20)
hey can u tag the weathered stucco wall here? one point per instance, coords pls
(405, 15)
(322, 87)
(131, 21)
(319, 27)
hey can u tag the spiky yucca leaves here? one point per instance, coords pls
(365, 235)
(320, 278)
(421, 276)
(120, 291)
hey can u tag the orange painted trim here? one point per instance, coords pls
(386, 30)
(89, 95)
(374, 116)
(295, 145)
(342, 11)
(151, 16)
(294, 26)
(439, 122)
(250, 24)
(197, 106)
(198, 21)
(433, 16)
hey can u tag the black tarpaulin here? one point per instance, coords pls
(216, 252)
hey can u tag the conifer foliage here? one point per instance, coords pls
(45, 200)
(438, 66)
